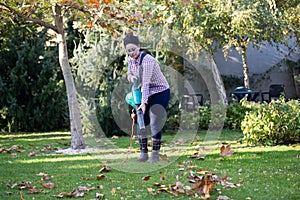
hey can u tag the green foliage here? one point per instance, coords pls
(235, 114)
(231, 81)
(104, 95)
(173, 115)
(32, 95)
(98, 65)
(274, 123)
(289, 13)
(205, 116)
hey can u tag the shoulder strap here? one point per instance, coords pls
(143, 54)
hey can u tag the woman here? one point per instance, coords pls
(155, 95)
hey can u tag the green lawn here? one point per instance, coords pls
(252, 172)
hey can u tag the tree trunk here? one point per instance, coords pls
(209, 72)
(245, 67)
(74, 110)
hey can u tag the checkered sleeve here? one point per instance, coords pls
(132, 68)
(129, 71)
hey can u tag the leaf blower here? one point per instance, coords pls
(134, 98)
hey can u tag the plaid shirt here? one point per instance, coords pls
(153, 80)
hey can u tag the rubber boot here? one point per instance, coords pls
(154, 156)
(144, 150)
(156, 143)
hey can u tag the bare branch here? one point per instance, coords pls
(5, 7)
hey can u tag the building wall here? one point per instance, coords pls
(267, 65)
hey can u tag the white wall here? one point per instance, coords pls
(267, 65)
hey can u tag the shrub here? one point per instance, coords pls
(32, 91)
(173, 115)
(205, 116)
(275, 123)
(236, 112)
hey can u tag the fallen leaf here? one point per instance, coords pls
(200, 158)
(74, 193)
(223, 198)
(115, 137)
(192, 167)
(157, 184)
(152, 191)
(202, 171)
(8, 184)
(86, 189)
(24, 185)
(42, 174)
(164, 189)
(228, 184)
(101, 176)
(198, 138)
(105, 169)
(226, 151)
(177, 188)
(113, 191)
(99, 195)
(48, 185)
(195, 155)
(46, 178)
(146, 178)
(31, 154)
(164, 157)
(33, 190)
(97, 140)
(204, 184)
(162, 177)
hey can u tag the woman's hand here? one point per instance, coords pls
(142, 107)
(131, 78)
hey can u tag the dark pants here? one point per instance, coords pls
(155, 113)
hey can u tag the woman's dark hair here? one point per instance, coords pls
(131, 39)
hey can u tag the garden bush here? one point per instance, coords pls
(202, 115)
(236, 112)
(270, 124)
(32, 91)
